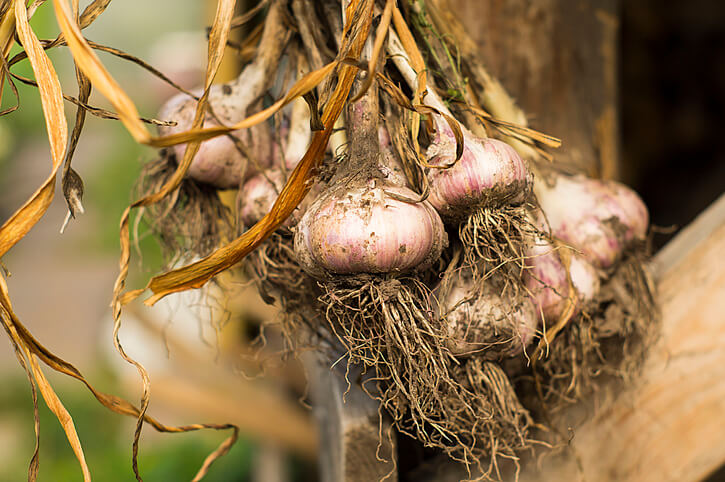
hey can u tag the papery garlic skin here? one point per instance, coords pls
(218, 161)
(598, 218)
(364, 230)
(259, 193)
(548, 284)
(390, 166)
(585, 278)
(484, 323)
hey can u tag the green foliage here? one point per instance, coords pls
(106, 440)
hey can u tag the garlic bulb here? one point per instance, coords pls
(485, 321)
(218, 161)
(598, 218)
(547, 282)
(364, 230)
(489, 173)
(258, 194)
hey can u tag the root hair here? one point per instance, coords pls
(191, 221)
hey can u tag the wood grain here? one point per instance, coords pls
(558, 59)
(351, 447)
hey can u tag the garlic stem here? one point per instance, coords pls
(300, 134)
(402, 62)
(251, 82)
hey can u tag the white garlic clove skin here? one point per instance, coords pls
(218, 161)
(489, 173)
(547, 282)
(585, 278)
(359, 230)
(485, 323)
(259, 193)
(598, 218)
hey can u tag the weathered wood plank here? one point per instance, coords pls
(351, 447)
(558, 59)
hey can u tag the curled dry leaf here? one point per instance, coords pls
(73, 192)
(61, 413)
(71, 182)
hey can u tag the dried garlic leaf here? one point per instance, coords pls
(51, 99)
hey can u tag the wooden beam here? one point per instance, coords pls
(351, 446)
(669, 425)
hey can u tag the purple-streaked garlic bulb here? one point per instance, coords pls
(598, 218)
(365, 230)
(484, 321)
(489, 173)
(258, 194)
(547, 281)
(218, 161)
(363, 224)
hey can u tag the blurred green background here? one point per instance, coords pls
(61, 285)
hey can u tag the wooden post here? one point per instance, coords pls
(354, 445)
(558, 59)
